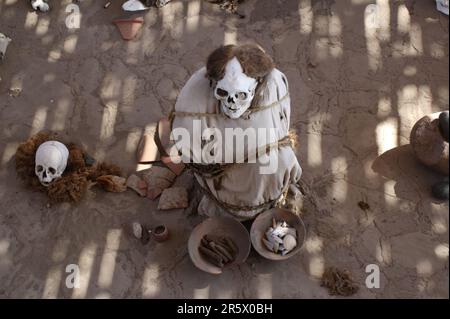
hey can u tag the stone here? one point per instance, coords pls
(440, 190)
(137, 230)
(173, 198)
(428, 144)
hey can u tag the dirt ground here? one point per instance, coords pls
(358, 85)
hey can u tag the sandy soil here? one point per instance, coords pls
(357, 89)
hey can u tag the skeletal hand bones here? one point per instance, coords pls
(40, 5)
(236, 90)
(51, 161)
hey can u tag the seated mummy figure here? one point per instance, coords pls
(231, 126)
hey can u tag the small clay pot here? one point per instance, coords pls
(160, 233)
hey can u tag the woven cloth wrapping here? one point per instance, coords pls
(247, 186)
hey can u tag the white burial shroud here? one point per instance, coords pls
(247, 186)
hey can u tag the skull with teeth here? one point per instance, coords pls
(51, 161)
(238, 74)
(236, 90)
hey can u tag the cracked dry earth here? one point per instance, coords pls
(358, 85)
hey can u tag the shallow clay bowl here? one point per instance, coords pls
(221, 226)
(264, 221)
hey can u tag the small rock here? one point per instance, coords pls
(137, 230)
(441, 190)
(141, 233)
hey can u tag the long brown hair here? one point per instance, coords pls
(255, 62)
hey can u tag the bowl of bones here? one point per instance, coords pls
(278, 234)
(218, 243)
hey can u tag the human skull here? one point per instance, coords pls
(51, 161)
(40, 5)
(236, 90)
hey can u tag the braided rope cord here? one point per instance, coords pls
(217, 171)
(174, 113)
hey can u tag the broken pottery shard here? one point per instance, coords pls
(177, 167)
(142, 184)
(141, 233)
(158, 179)
(129, 27)
(137, 184)
(172, 198)
(289, 242)
(111, 183)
